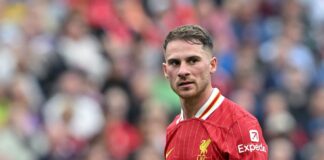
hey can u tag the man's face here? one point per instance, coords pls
(188, 67)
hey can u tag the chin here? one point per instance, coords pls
(186, 94)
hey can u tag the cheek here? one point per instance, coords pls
(201, 70)
(202, 73)
(171, 73)
(172, 77)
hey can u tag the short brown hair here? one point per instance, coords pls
(190, 33)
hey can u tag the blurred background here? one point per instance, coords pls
(82, 79)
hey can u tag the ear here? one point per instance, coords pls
(164, 67)
(213, 65)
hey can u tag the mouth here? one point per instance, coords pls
(185, 83)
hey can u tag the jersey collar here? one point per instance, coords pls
(212, 103)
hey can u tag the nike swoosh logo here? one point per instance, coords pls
(168, 153)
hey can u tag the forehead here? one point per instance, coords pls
(181, 48)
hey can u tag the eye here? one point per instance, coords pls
(193, 60)
(173, 62)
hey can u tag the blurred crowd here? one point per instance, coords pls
(82, 79)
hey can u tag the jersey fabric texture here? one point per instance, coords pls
(220, 130)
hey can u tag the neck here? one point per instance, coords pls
(191, 106)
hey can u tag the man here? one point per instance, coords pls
(210, 126)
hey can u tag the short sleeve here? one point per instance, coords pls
(244, 140)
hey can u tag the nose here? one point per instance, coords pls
(183, 71)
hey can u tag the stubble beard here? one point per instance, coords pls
(193, 92)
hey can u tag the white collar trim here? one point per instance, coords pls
(205, 111)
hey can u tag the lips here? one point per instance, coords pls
(184, 83)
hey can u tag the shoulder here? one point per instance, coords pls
(242, 119)
(229, 114)
(244, 135)
(173, 124)
(238, 118)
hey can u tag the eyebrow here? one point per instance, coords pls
(172, 60)
(192, 57)
(186, 59)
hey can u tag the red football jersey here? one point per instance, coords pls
(220, 130)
